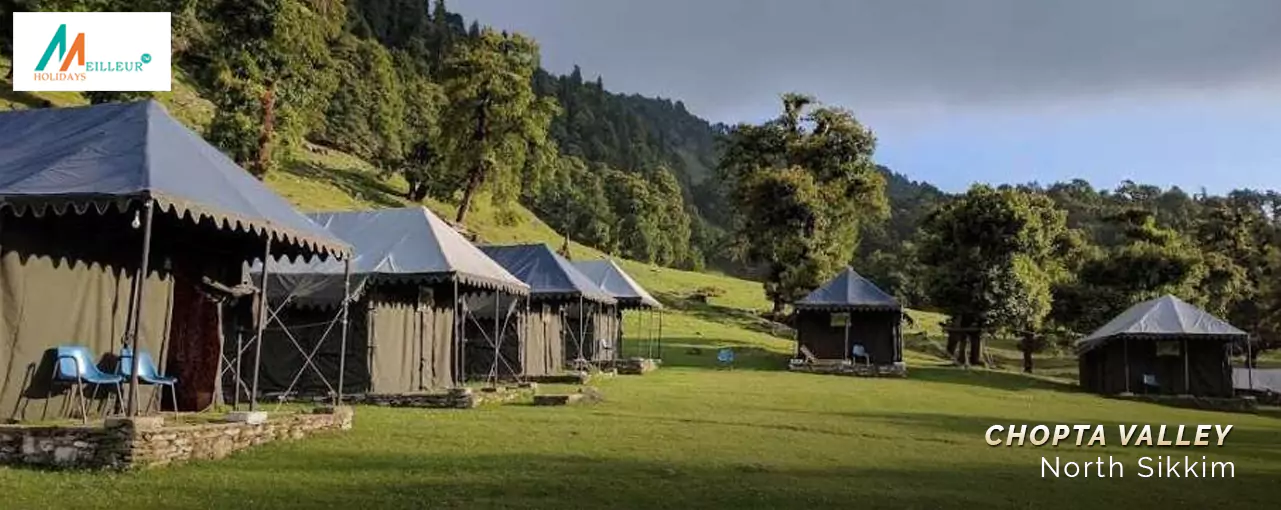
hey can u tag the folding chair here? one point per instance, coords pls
(1150, 382)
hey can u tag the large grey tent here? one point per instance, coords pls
(411, 278)
(1163, 345)
(611, 278)
(846, 313)
(84, 194)
(567, 306)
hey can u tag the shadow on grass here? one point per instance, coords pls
(726, 315)
(385, 479)
(698, 352)
(364, 185)
(994, 379)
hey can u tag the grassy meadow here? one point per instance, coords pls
(692, 435)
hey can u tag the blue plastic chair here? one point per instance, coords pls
(725, 356)
(74, 366)
(858, 351)
(147, 374)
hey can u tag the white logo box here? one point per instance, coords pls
(123, 51)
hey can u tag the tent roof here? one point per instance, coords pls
(849, 290)
(608, 276)
(1166, 316)
(117, 154)
(548, 274)
(409, 243)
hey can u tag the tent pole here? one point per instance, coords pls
(498, 341)
(660, 334)
(1249, 365)
(342, 345)
(847, 355)
(1125, 347)
(582, 326)
(235, 400)
(141, 284)
(459, 358)
(262, 320)
(1187, 383)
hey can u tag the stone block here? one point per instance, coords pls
(247, 417)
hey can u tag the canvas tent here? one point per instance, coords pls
(611, 278)
(1163, 345)
(573, 316)
(846, 313)
(92, 197)
(411, 280)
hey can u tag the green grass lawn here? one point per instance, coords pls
(700, 438)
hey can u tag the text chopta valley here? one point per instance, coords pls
(1158, 466)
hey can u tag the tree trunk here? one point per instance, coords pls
(953, 342)
(976, 347)
(473, 182)
(263, 163)
(477, 175)
(1027, 356)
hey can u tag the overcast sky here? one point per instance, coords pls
(1184, 92)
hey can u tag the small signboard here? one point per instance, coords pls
(840, 320)
(1168, 348)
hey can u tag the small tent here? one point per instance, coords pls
(571, 312)
(607, 275)
(410, 279)
(92, 197)
(1163, 345)
(847, 314)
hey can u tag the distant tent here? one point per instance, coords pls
(567, 305)
(612, 279)
(407, 266)
(847, 314)
(76, 185)
(1163, 345)
(631, 296)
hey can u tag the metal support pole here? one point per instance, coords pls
(498, 339)
(262, 319)
(149, 210)
(847, 339)
(660, 334)
(342, 348)
(582, 325)
(239, 382)
(1187, 375)
(460, 357)
(1249, 365)
(1125, 346)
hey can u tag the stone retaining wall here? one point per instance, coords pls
(124, 443)
(632, 366)
(839, 367)
(1234, 405)
(458, 398)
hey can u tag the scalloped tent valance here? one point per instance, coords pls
(118, 155)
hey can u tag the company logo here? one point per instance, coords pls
(92, 51)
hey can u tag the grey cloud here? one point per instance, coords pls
(729, 59)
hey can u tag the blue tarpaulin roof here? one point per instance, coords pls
(618, 283)
(391, 244)
(849, 290)
(547, 273)
(116, 154)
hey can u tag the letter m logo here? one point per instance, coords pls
(59, 43)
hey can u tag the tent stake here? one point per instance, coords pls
(262, 319)
(342, 348)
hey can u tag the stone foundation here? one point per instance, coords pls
(842, 367)
(568, 378)
(458, 398)
(632, 366)
(1232, 405)
(144, 442)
